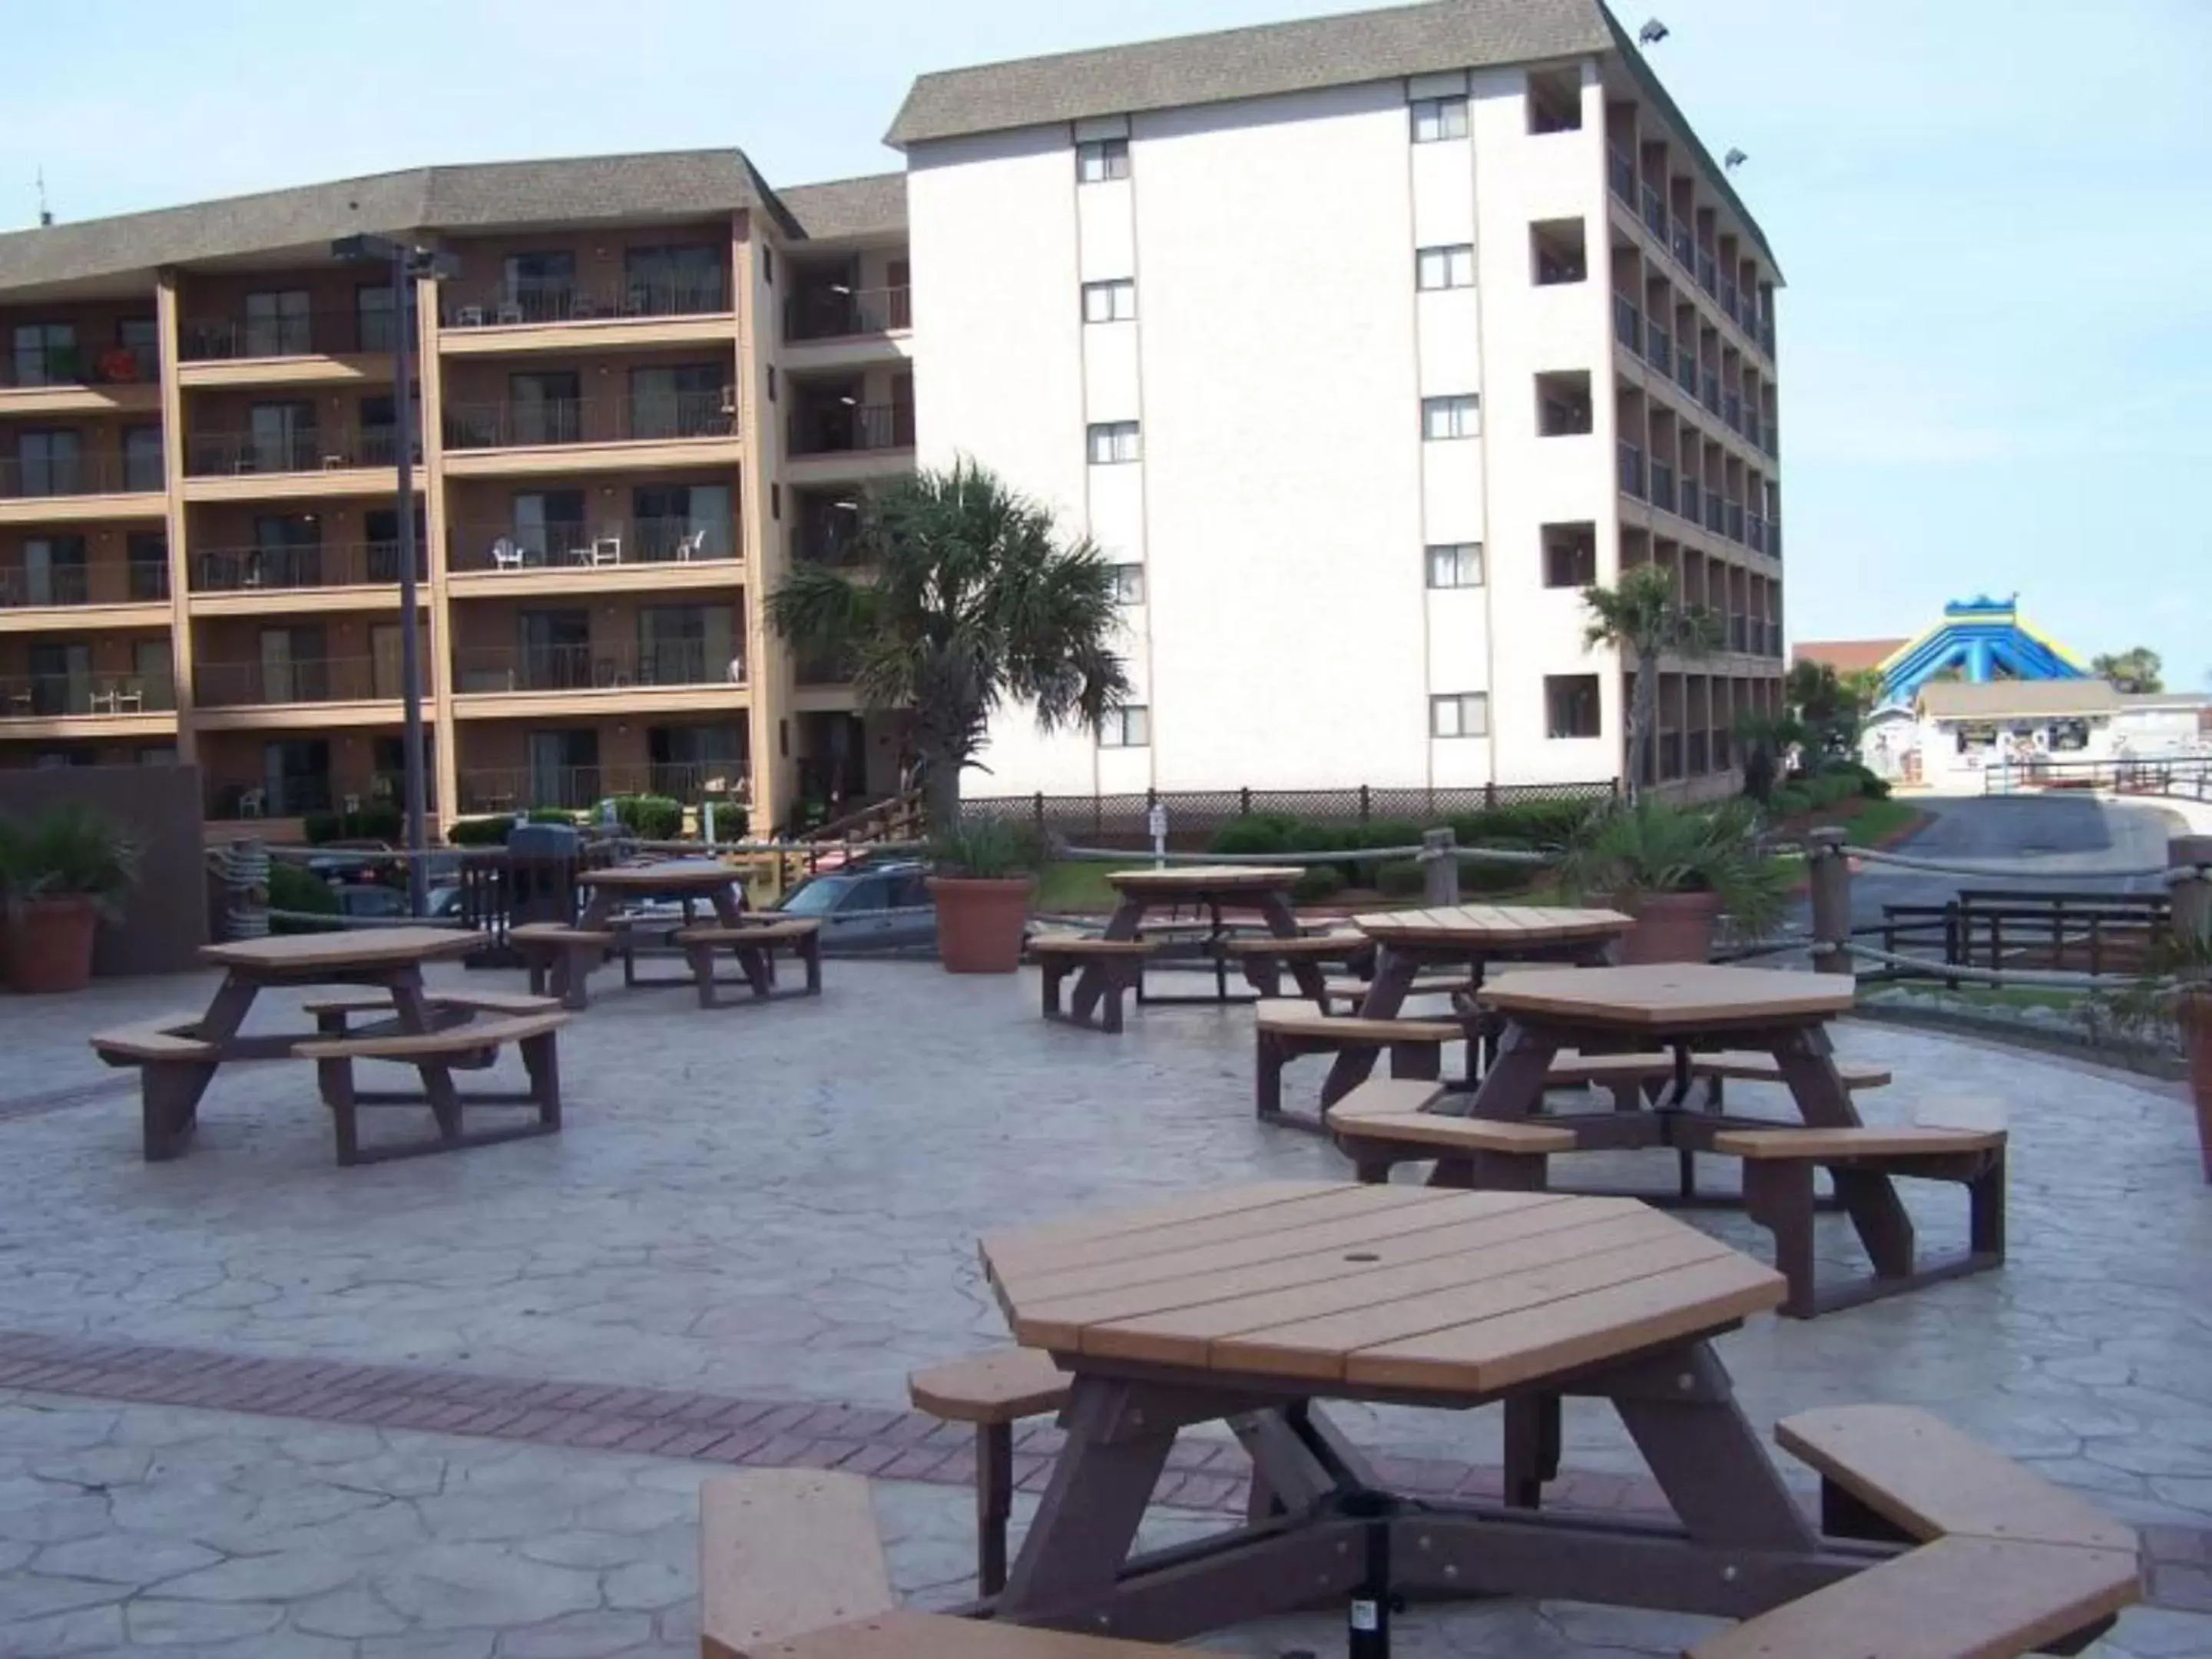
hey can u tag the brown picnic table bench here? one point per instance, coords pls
(1263, 888)
(1251, 1306)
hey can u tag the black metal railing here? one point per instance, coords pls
(321, 449)
(1739, 634)
(255, 570)
(79, 363)
(1732, 409)
(1655, 212)
(1659, 347)
(1728, 295)
(1627, 323)
(48, 697)
(498, 307)
(315, 334)
(1708, 271)
(280, 798)
(839, 428)
(1685, 369)
(595, 667)
(1681, 244)
(106, 581)
(1689, 496)
(1670, 755)
(832, 313)
(577, 788)
(492, 545)
(1709, 392)
(307, 679)
(1733, 521)
(1754, 532)
(24, 480)
(642, 418)
(1663, 485)
(1700, 755)
(1631, 470)
(1714, 519)
(1621, 172)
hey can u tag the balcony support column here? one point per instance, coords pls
(760, 430)
(173, 481)
(444, 749)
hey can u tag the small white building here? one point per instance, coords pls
(1955, 733)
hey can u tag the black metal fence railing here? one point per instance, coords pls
(480, 669)
(319, 449)
(831, 313)
(78, 363)
(307, 679)
(310, 334)
(1631, 470)
(1195, 812)
(840, 429)
(496, 308)
(253, 569)
(1998, 930)
(646, 417)
(105, 582)
(24, 478)
(38, 696)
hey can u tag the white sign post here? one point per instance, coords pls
(1157, 821)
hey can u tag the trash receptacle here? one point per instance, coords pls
(541, 872)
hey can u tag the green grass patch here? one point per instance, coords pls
(1080, 884)
(1876, 821)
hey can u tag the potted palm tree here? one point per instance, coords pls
(961, 597)
(62, 871)
(1674, 870)
(985, 872)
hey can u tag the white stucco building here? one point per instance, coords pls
(1365, 344)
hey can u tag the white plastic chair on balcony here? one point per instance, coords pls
(104, 700)
(693, 545)
(250, 803)
(505, 554)
(606, 548)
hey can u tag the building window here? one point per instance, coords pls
(1127, 727)
(1555, 100)
(1128, 584)
(1113, 442)
(1110, 302)
(1444, 267)
(1571, 708)
(278, 323)
(1556, 250)
(1451, 418)
(1462, 715)
(1436, 119)
(1102, 159)
(1454, 564)
(1570, 554)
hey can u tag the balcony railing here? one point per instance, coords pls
(1774, 537)
(1655, 213)
(135, 581)
(839, 546)
(1766, 335)
(1700, 753)
(49, 696)
(834, 315)
(82, 364)
(1728, 299)
(316, 334)
(1627, 323)
(1724, 749)
(497, 307)
(1732, 409)
(325, 449)
(577, 788)
(282, 797)
(1708, 271)
(1690, 497)
(850, 428)
(492, 545)
(1754, 532)
(1751, 429)
(1659, 347)
(1773, 436)
(1713, 514)
(263, 569)
(1685, 369)
(307, 679)
(1631, 470)
(80, 475)
(598, 666)
(1739, 633)
(557, 421)
(1620, 170)
(1663, 485)
(1670, 754)
(1710, 390)
(1734, 516)
(1682, 244)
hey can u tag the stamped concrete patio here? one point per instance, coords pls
(251, 1403)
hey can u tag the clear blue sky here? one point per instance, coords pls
(1995, 217)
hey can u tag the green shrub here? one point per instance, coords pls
(1402, 878)
(1257, 832)
(1535, 825)
(295, 887)
(985, 849)
(1320, 882)
(480, 832)
(377, 821)
(1479, 876)
(1389, 832)
(1790, 800)
(1874, 788)
(649, 818)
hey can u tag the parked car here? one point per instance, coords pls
(342, 863)
(860, 908)
(370, 901)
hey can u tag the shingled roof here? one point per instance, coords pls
(848, 207)
(1434, 36)
(477, 196)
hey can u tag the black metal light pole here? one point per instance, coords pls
(407, 263)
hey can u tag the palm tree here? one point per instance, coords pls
(1643, 613)
(2137, 670)
(969, 598)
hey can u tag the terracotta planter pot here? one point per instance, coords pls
(50, 945)
(2196, 1039)
(979, 923)
(1670, 928)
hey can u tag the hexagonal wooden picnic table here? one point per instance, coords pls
(1266, 888)
(1250, 1305)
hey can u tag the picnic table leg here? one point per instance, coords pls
(729, 908)
(1283, 922)
(1513, 1087)
(1680, 1409)
(1806, 1057)
(1091, 983)
(1088, 1517)
(1532, 1447)
(170, 1095)
(1394, 971)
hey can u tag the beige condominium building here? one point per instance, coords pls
(1480, 322)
